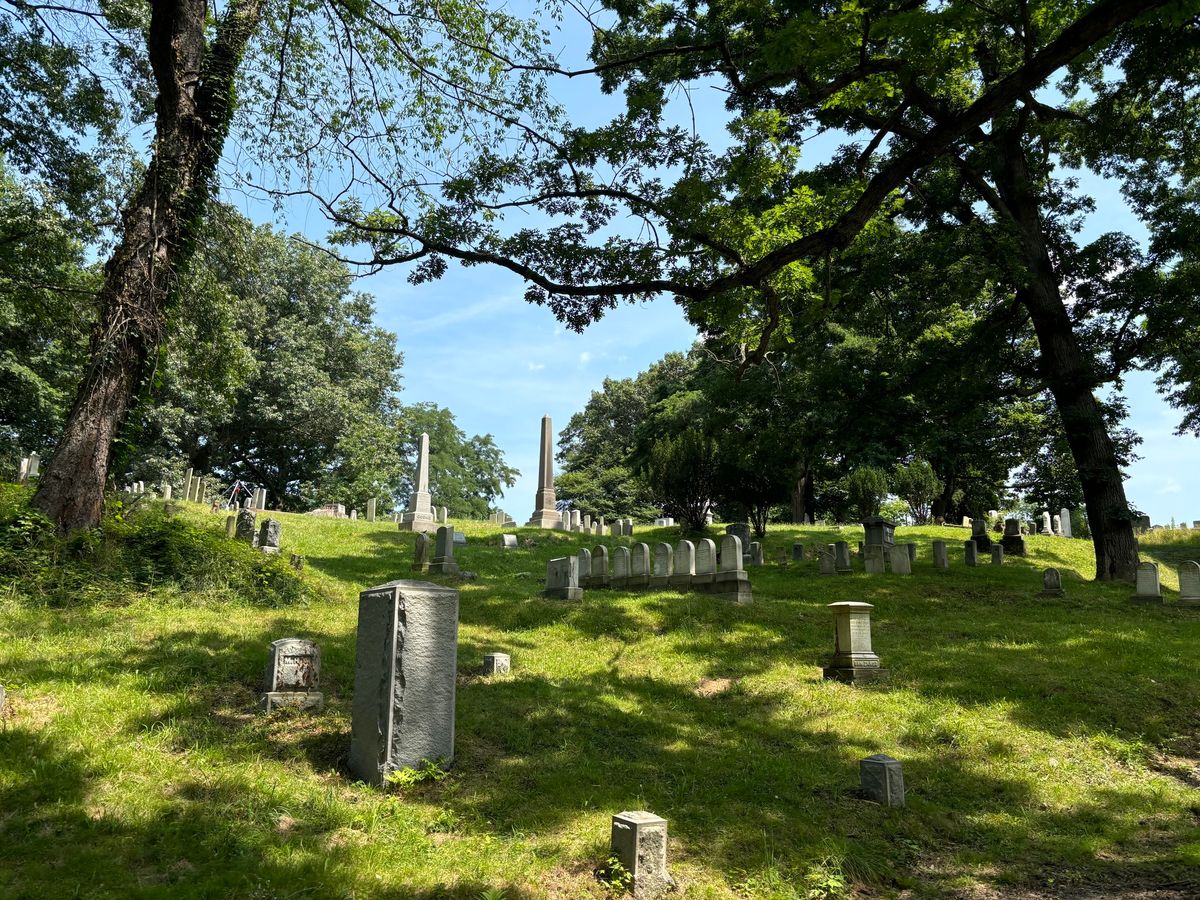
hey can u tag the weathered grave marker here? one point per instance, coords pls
(245, 526)
(841, 558)
(882, 780)
(1148, 588)
(683, 565)
(873, 560)
(268, 536)
(970, 554)
(419, 515)
(496, 664)
(941, 559)
(639, 842)
(421, 553)
(562, 579)
(664, 566)
(443, 553)
(853, 659)
(1052, 583)
(901, 563)
(293, 675)
(1189, 583)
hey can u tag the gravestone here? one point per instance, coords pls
(798, 552)
(496, 664)
(508, 542)
(230, 526)
(873, 560)
(564, 520)
(706, 564)
(599, 577)
(1148, 588)
(1058, 531)
(584, 556)
(742, 530)
(878, 530)
(421, 553)
(444, 515)
(853, 659)
(419, 515)
(576, 520)
(166, 490)
(901, 562)
(941, 559)
(268, 536)
(1189, 583)
(1052, 583)
(731, 581)
(245, 526)
(620, 568)
(1064, 516)
(1012, 541)
(587, 523)
(970, 553)
(562, 579)
(756, 553)
(828, 560)
(443, 553)
(1046, 526)
(639, 843)
(404, 678)
(354, 515)
(912, 552)
(997, 555)
(187, 484)
(664, 566)
(841, 558)
(293, 675)
(615, 529)
(683, 565)
(371, 505)
(979, 534)
(297, 562)
(639, 567)
(882, 780)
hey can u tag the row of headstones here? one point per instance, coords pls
(503, 519)
(834, 559)
(1142, 523)
(576, 522)
(443, 562)
(687, 566)
(1057, 526)
(1149, 588)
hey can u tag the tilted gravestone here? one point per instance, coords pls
(599, 577)
(853, 658)
(1189, 583)
(268, 536)
(664, 560)
(841, 558)
(562, 579)
(756, 553)
(683, 565)
(941, 559)
(230, 526)
(873, 560)
(828, 557)
(245, 531)
(1148, 588)
(970, 553)
(404, 678)
(508, 541)
(912, 552)
(421, 553)
(639, 843)
(1052, 583)
(882, 780)
(293, 675)
(901, 563)
(443, 553)
(620, 568)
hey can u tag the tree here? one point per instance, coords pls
(918, 486)
(680, 470)
(866, 489)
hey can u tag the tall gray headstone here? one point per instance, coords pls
(419, 515)
(620, 567)
(268, 536)
(756, 553)
(901, 563)
(245, 525)
(404, 678)
(798, 552)
(545, 513)
(584, 555)
(1058, 529)
(421, 550)
(562, 579)
(599, 578)
(371, 510)
(1047, 528)
(443, 553)
(970, 553)
(873, 560)
(683, 565)
(1064, 516)
(706, 564)
(640, 566)
(841, 557)
(664, 559)
(1189, 583)
(828, 560)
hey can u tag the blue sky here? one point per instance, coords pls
(471, 343)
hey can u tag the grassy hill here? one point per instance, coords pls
(1050, 748)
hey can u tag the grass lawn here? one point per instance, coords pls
(1050, 747)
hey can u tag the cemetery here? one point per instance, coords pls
(489, 451)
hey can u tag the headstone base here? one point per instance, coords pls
(417, 522)
(1013, 544)
(1189, 601)
(273, 700)
(563, 593)
(731, 586)
(546, 518)
(1141, 598)
(684, 582)
(441, 566)
(855, 674)
(660, 582)
(637, 582)
(1052, 592)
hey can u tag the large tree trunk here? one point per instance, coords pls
(195, 86)
(1069, 375)
(804, 497)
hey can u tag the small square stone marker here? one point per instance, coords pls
(496, 664)
(882, 780)
(293, 675)
(639, 842)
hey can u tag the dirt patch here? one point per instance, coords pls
(714, 687)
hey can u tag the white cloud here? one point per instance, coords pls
(1171, 487)
(585, 358)
(536, 367)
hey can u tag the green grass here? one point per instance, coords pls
(1048, 746)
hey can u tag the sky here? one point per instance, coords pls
(471, 343)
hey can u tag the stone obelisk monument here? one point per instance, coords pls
(419, 515)
(544, 514)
